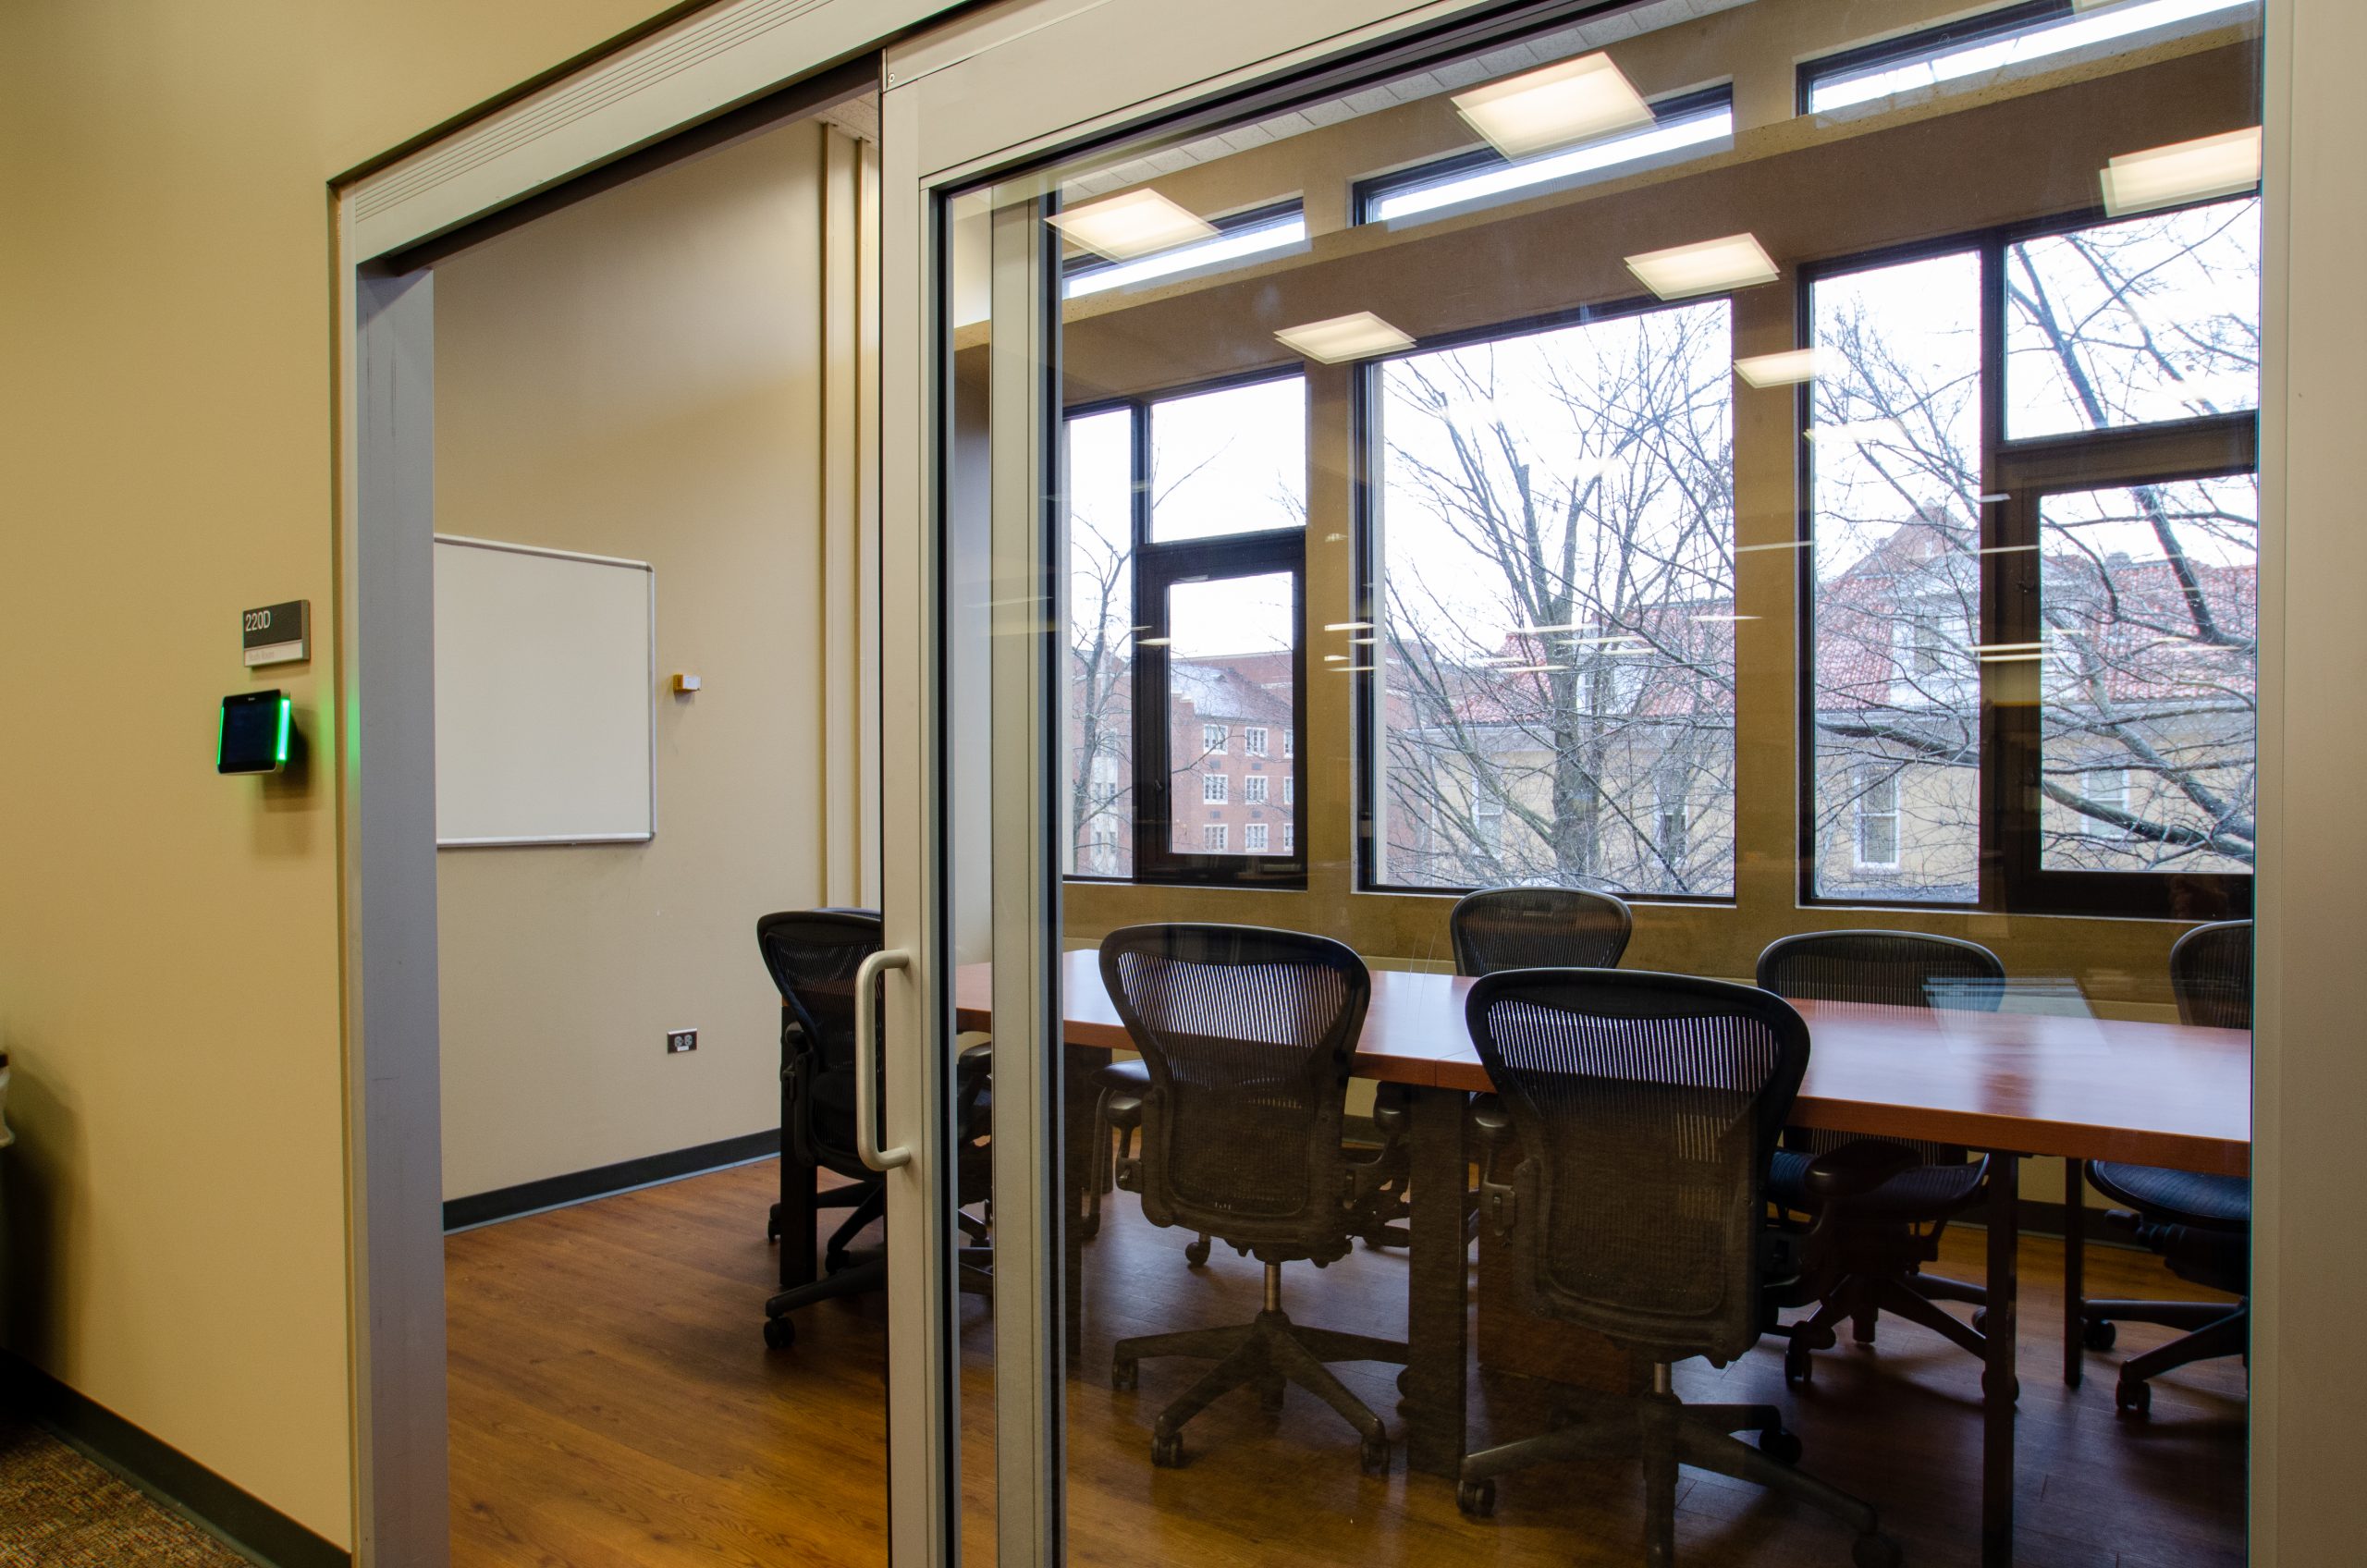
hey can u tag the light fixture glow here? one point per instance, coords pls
(1779, 544)
(286, 712)
(2184, 171)
(2091, 24)
(1611, 152)
(1152, 642)
(1555, 105)
(1347, 626)
(1709, 266)
(1356, 337)
(1133, 225)
(1786, 369)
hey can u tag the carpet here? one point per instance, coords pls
(60, 1510)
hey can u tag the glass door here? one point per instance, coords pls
(1742, 513)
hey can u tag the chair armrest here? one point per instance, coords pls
(1492, 1127)
(1857, 1167)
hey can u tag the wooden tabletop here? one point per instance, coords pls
(2153, 1093)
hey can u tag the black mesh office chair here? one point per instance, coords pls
(1119, 1088)
(1882, 1238)
(813, 956)
(1644, 1109)
(2201, 1224)
(1538, 928)
(1248, 1034)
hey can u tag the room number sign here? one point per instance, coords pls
(277, 634)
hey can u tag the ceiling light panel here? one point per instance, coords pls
(1709, 266)
(1136, 224)
(1358, 336)
(1553, 106)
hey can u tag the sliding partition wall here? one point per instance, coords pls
(1790, 465)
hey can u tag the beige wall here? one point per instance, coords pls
(169, 952)
(640, 376)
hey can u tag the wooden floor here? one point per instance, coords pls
(613, 1406)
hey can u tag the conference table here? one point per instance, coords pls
(2017, 1084)
(2014, 1084)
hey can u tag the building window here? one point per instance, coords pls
(1212, 838)
(2119, 610)
(1186, 517)
(1508, 683)
(1686, 126)
(1875, 811)
(1290, 791)
(2011, 40)
(1253, 837)
(1290, 834)
(1253, 789)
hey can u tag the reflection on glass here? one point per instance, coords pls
(1896, 529)
(1101, 614)
(2150, 597)
(1234, 243)
(1229, 461)
(1231, 697)
(2119, 323)
(1557, 593)
(1419, 194)
(1965, 61)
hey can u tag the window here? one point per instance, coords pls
(1245, 237)
(1290, 836)
(1253, 837)
(1876, 813)
(2040, 635)
(1994, 43)
(1682, 127)
(1289, 793)
(1253, 789)
(1186, 558)
(1213, 836)
(1536, 682)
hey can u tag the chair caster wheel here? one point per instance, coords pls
(1981, 1321)
(1875, 1552)
(1270, 1394)
(1124, 1373)
(1372, 1456)
(1799, 1367)
(1088, 1229)
(1167, 1449)
(2100, 1335)
(1197, 1253)
(833, 1260)
(1476, 1499)
(2133, 1398)
(779, 1333)
(1781, 1446)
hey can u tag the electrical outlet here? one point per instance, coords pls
(680, 1040)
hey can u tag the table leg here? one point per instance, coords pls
(1078, 1064)
(1437, 1273)
(797, 1232)
(2075, 1284)
(1997, 1380)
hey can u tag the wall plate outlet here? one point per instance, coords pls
(680, 1040)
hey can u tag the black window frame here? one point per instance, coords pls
(1366, 455)
(2023, 472)
(1368, 193)
(1156, 566)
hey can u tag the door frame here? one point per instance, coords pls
(632, 95)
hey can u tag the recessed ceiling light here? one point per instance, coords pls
(1356, 337)
(1786, 369)
(1134, 225)
(1568, 101)
(2184, 171)
(1710, 266)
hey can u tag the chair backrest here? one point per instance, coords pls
(813, 956)
(1538, 928)
(1647, 1108)
(1892, 968)
(1248, 1034)
(2211, 971)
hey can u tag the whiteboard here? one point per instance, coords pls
(545, 696)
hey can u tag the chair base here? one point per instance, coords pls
(1861, 1298)
(1665, 1432)
(1267, 1353)
(2217, 1330)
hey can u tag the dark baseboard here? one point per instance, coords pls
(551, 1192)
(166, 1473)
